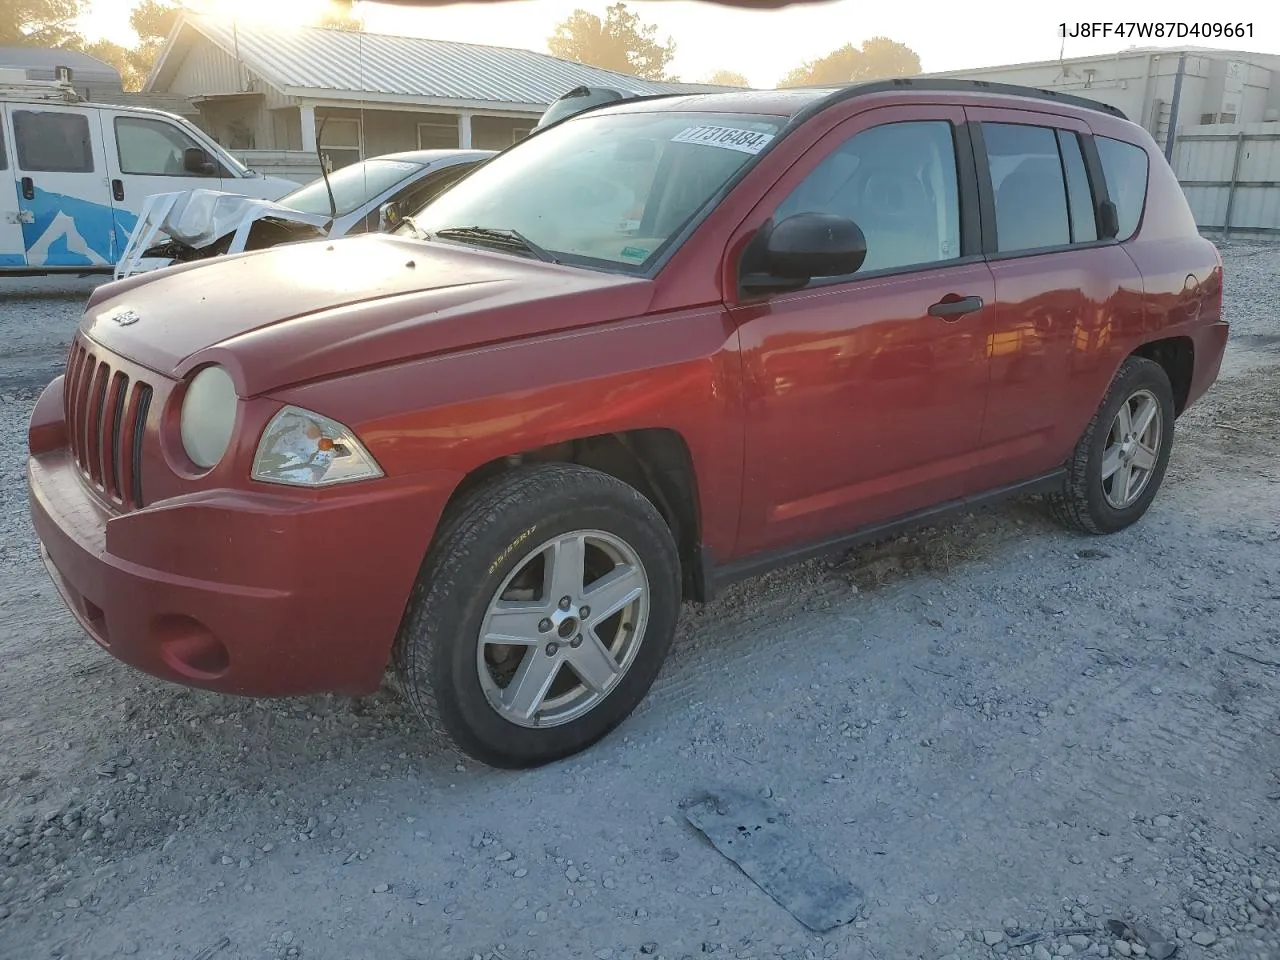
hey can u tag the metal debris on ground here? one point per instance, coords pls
(755, 834)
(1157, 946)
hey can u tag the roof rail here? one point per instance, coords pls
(610, 103)
(951, 84)
(38, 90)
(937, 84)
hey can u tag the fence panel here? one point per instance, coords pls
(1231, 176)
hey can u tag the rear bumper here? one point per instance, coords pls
(260, 594)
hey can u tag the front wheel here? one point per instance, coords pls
(1120, 461)
(542, 617)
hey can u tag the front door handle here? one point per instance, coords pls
(953, 308)
(117, 189)
(28, 189)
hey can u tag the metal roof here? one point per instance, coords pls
(315, 61)
(39, 62)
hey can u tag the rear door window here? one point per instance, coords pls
(4, 151)
(1125, 167)
(1029, 187)
(52, 142)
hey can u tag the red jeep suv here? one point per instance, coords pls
(660, 345)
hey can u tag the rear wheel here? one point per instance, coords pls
(1120, 461)
(542, 616)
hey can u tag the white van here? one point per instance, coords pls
(74, 175)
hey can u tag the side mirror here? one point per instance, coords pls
(788, 254)
(195, 160)
(388, 216)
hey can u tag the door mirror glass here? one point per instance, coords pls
(388, 216)
(808, 245)
(195, 160)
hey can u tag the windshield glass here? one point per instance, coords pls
(604, 190)
(353, 186)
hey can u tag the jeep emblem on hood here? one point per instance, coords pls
(123, 316)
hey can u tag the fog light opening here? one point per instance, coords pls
(190, 648)
(97, 620)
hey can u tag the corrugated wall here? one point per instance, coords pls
(206, 70)
(1205, 160)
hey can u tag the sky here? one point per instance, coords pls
(764, 45)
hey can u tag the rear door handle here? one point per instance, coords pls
(953, 308)
(28, 189)
(117, 189)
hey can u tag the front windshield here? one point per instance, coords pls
(608, 190)
(353, 186)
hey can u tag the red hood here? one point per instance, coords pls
(312, 310)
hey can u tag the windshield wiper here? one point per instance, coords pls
(500, 238)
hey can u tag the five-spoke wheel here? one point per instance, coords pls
(545, 610)
(1117, 466)
(549, 659)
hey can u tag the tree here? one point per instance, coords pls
(152, 21)
(122, 58)
(727, 78)
(619, 42)
(38, 23)
(340, 15)
(877, 58)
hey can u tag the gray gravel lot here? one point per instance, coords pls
(1007, 735)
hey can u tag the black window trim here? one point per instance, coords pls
(986, 192)
(967, 195)
(222, 173)
(1097, 189)
(4, 149)
(1058, 136)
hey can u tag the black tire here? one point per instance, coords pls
(1083, 505)
(492, 533)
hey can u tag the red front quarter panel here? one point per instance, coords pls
(455, 413)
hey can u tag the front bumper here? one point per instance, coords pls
(251, 592)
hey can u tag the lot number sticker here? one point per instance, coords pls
(731, 138)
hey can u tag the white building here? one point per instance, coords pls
(354, 95)
(1226, 145)
(1217, 86)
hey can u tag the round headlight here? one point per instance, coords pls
(208, 416)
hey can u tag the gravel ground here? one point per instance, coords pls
(1017, 742)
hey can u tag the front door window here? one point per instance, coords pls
(154, 148)
(898, 183)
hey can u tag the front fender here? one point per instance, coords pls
(460, 411)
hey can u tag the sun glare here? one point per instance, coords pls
(275, 13)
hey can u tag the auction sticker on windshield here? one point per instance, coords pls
(731, 138)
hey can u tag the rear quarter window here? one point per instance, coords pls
(1125, 167)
